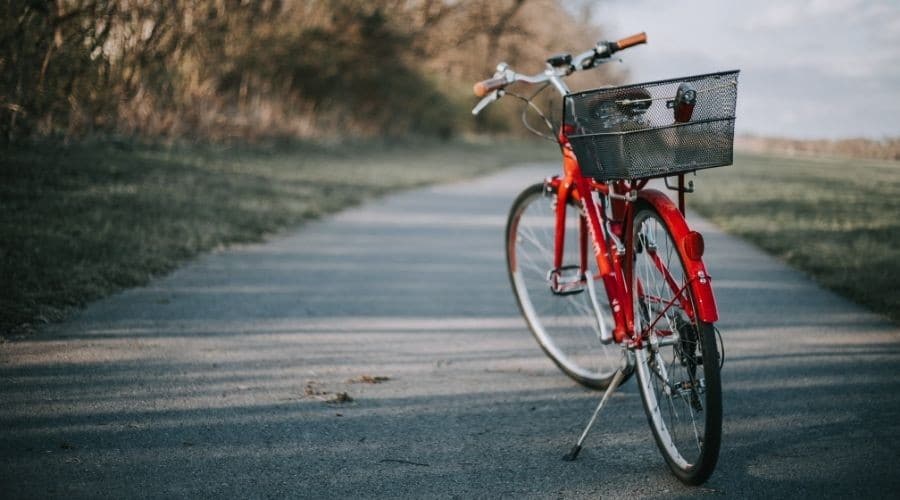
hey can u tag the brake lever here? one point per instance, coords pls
(488, 99)
(585, 60)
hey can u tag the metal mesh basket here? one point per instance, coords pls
(631, 132)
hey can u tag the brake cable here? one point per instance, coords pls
(530, 104)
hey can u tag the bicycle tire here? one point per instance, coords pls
(564, 326)
(676, 347)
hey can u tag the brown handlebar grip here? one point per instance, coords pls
(631, 41)
(482, 88)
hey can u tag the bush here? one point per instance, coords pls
(228, 69)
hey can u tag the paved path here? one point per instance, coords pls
(222, 378)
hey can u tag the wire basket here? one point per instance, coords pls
(651, 130)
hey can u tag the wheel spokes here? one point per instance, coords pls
(561, 317)
(662, 298)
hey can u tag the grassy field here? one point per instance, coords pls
(837, 219)
(80, 222)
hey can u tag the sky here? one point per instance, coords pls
(809, 68)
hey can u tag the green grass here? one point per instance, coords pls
(837, 219)
(78, 223)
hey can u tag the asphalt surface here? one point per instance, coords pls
(226, 378)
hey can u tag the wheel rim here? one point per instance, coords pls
(564, 325)
(670, 367)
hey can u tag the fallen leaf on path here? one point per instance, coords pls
(338, 398)
(407, 462)
(312, 390)
(368, 379)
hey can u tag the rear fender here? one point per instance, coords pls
(701, 284)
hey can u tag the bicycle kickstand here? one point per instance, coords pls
(617, 379)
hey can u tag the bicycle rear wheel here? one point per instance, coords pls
(564, 323)
(678, 368)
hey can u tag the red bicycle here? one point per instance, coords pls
(653, 310)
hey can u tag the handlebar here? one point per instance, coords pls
(491, 89)
(629, 41)
(484, 87)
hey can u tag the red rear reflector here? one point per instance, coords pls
(693, 245)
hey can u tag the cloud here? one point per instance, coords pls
(775, 17)
(833, 7)
(810, 68)
(789, 15)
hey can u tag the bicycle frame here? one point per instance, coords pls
(613, 256)
(661, 305)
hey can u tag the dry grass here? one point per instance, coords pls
(221, 71)
(884, 149)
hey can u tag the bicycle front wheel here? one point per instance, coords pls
(561, 317)
(678, 368)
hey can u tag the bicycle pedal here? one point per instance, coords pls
(567, 280)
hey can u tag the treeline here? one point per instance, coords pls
(226, 69)
(883, 149)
